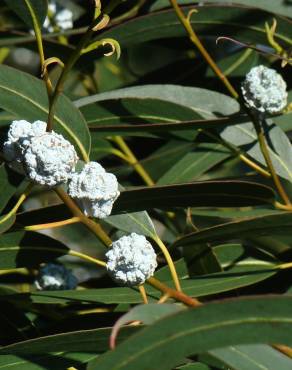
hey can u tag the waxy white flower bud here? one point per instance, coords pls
(50, 159)
(94, 189)
(264, 90)
(131, 260)
(54, 276)
(19, 135)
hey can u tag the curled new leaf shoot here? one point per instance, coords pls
(190, 13)
(115, 47)
(51, 61)
(102, 24)
(270, 31)
(97, 9)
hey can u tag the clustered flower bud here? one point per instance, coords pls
(62, 18)
(94, 189)
(131, 260)
(54, 276)
(50, 159)
(19, 136)
(264, 90)
(45, 157)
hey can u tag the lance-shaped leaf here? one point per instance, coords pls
(274, 6)
(193, 331)
(20, 249)
(194, 164)
(146, 314)
(26, 256)
(252, 357)
(198, 194)
(6, 221)
(157, 108)
(9, 183)
(201, 286)
(137, 222)
(90, 341)
(279, 223)
(202, 101)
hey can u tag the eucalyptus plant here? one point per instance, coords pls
(145, 181)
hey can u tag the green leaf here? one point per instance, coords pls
(48, 361)
(165, 157)
(6, 118)
(244, 136)
(194, 366)
(200, 286)
(25, 96)
(274, 6)
(201, 260)
(146, 314)
(193, 331)
(151, 128)
(13, 238)
(43, 215)
(194, 164)
(17, 256)
(130, 113)
(199, 194)
(164, 274)
(284, 120)
(212, 20)
(237, 64)
(6, 222)
(102, 295)
(231, 255)
(202, 101)
(237, 277)
(99, 147)
(249, 227)
(252, 357)
(90, 341)
(40, 8)
(9, 183)
(15, 326)
(234, 213)
(135, 222)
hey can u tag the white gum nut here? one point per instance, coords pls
(50, 159)
(19, 134)
(94, 189)
(131, 260)
(264, 90)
